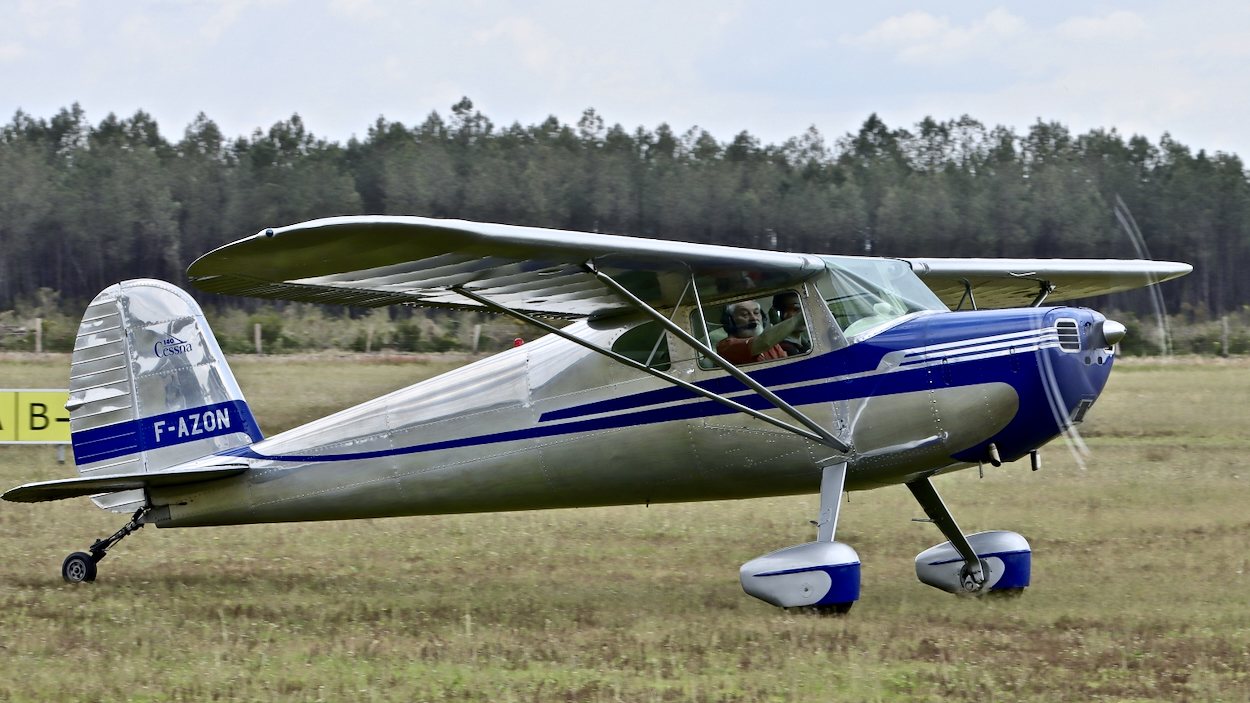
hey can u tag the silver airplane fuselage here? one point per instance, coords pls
(553, 425)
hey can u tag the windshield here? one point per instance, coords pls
(865, 293)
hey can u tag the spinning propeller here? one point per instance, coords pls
(1112, 333)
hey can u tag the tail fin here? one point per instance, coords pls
(149, 387)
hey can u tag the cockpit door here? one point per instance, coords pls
(738, 450)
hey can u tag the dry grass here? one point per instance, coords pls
(1141, 581)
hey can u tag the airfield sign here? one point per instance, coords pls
(34, 416)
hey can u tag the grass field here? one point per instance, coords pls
(1141, 580)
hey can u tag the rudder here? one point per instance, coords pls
(149, 387)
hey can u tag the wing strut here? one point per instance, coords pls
(641, 367)
(824, 436)
(1044, 288)
(966, 296)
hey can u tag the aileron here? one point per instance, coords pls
(1005, 283)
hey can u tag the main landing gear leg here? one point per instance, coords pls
(81, 566)
(832, 482)
(823, 575)
(973, 575)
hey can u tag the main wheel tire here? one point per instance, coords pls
(78, 567)
(835, 609)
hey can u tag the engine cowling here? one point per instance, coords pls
(1006, 556)
(812, 574)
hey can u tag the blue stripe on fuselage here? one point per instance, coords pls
(878, 385)
(843, 374)
(862, 358)
(859, 358)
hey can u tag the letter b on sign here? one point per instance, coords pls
(42, 417)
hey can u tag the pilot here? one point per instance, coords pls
(787, 306)
(748, 339)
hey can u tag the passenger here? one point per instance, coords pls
(797, 342)
(748, 339)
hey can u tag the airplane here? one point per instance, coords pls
(898, 370)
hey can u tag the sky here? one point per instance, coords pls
(770, 68)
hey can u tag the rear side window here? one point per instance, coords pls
(646, 344)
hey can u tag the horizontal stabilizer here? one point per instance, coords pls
(75, 487)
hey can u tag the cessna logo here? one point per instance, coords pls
(208, 422)
(172, 346)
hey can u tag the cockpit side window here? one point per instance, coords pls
(647, 344)
(731, 329)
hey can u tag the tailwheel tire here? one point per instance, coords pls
(78, 567)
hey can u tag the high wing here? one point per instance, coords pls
(1006, 283)
(372, 261)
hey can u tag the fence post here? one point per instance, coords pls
(38, 335)
(256, 336)
(477, 335)
(1224, 337)
(369, 341)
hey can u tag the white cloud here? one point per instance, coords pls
(367, 10)
(221, 20)
(1119, 25)
(11, 51)
(911, 28)
(1229, 44)
(919, 37)
(527, 40)
(38, 19)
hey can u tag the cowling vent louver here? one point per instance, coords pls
(1069, 336)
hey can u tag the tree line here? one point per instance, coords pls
(84, 205)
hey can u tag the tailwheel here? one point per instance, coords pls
(81, 566)
(78, 567)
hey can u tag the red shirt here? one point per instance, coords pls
(737, 350)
